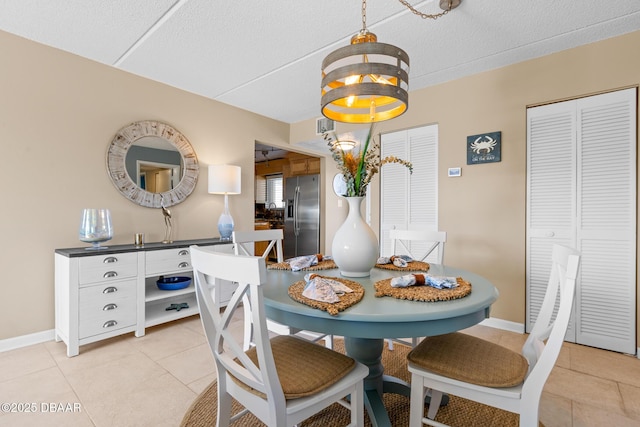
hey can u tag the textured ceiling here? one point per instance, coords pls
(265, 56)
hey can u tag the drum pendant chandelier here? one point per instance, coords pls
(368, 81)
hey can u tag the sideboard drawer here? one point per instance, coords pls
(104, 268)
(105, 322)
(106, 307)
(99, 295)
(167, 261)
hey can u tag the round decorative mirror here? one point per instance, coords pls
(339, 185)
(152, 164)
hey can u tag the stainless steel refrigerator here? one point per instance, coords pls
(302, 216)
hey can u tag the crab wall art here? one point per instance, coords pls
(484, 148)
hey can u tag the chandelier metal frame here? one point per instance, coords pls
(367, 81)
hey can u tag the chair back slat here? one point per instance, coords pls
(249, 272)
(242, 239)
(412, 242)
(545, 340)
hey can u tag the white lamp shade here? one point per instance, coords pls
(224, 179)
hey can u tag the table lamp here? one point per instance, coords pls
(224, 179)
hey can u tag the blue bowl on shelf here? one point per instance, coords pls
(173, 283)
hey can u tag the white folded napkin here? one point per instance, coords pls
(324, 289)
(298, 263)
(400, 261)
(424, 279)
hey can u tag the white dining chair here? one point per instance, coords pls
(418, 244)
(472, 368)
(283, 380)
(241, 241)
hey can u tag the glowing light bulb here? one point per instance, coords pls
(349, 81)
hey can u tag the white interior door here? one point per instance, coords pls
(551, 207)
(581, 182)
(409, 201)
(606, 222)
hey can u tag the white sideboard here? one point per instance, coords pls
(103, 293)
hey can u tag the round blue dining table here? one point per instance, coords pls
(366, 324)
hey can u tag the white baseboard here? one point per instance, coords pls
(507, 325)
(44, 336)
(26, 340)
(504, 325)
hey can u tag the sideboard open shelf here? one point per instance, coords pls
(103, 293)
(157, 301)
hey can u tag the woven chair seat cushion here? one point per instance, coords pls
(470, 359)
(304, 368)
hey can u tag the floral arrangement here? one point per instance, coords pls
(360, 167)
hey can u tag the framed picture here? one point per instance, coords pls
(484, 148)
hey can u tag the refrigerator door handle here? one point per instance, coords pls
(296, 225)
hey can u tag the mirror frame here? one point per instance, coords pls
(119, 147)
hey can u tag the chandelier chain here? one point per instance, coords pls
(425, 15)
(364, 15)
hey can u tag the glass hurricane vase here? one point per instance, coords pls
(95, 227)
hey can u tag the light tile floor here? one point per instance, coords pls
(152, 380)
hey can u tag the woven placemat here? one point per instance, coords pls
(322, 265)
(422, 293)
(411, 266)
(346, 300)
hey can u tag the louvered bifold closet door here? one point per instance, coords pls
(409, 201)
(551, 208)
(394, 196)
(606, 229)
(581, 183)
(423, 188)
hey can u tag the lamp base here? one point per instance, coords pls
(225, 228)
(225, 223)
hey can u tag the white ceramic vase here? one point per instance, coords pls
(355, 246)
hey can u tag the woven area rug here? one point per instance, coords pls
(459, 412)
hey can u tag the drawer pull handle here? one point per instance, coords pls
(109, 324)
(183, 264)
(110, 290)
(110, 260)
(109, 307)
(183, 252)
(110, 274)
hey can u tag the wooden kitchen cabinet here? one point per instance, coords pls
(307, 166)
(260, 247)
(271, 167)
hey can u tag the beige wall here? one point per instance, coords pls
(484, 210)
(58, 113)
